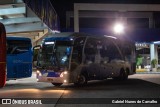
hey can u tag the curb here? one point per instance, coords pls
(148, 72)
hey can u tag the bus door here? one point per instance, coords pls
(2, 55)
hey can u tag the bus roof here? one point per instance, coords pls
(17, 38)
(67, 36)
(61, 36)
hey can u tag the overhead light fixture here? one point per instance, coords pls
(49, 43)
(118, 28)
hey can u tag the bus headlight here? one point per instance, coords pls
(63, 74)
(65, 81)
(38, 73)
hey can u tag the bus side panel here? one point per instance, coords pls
(25, 68)
(2, 55)
(10, 67)
(19, 66)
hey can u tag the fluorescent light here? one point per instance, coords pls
(49, 43)
(157, 42)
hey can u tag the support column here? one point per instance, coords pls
(68, 16)
(76, 19)
(156, 52)
(153, 52)
(151, 25)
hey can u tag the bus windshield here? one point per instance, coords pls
(57, 54)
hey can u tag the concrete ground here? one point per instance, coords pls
(137, 86)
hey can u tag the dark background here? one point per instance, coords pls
(61, 6)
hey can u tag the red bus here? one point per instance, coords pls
(2, 55)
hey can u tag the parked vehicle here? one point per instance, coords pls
(2, 55)
(19, 57)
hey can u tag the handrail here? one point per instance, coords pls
(46, 12)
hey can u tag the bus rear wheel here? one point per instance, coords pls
(82, 80)
(123, 75)
(57, 84)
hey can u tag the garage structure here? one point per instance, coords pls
(25, 18)
(21, 18)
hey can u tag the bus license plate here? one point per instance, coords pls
(50, 79)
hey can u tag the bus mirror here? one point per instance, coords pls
(35, 54)
(37, 47)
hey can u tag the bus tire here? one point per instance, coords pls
(57, 84)
(126, 74)
(123, 75)
(81, 80)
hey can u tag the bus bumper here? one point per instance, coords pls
(47, 77)
(50, 79)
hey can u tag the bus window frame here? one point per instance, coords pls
(18, 51)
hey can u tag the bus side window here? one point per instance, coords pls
(18, 47)
(77, 54)
(104, 52)
(77, 50)
(109, 52)
(127, 51)
(90, 51)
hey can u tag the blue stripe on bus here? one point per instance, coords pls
(53, 74)
(50, 73)
(43, 72)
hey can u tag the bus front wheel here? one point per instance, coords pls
(81, 80)
(57, 84)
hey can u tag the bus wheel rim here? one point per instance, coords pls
(82, 79)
